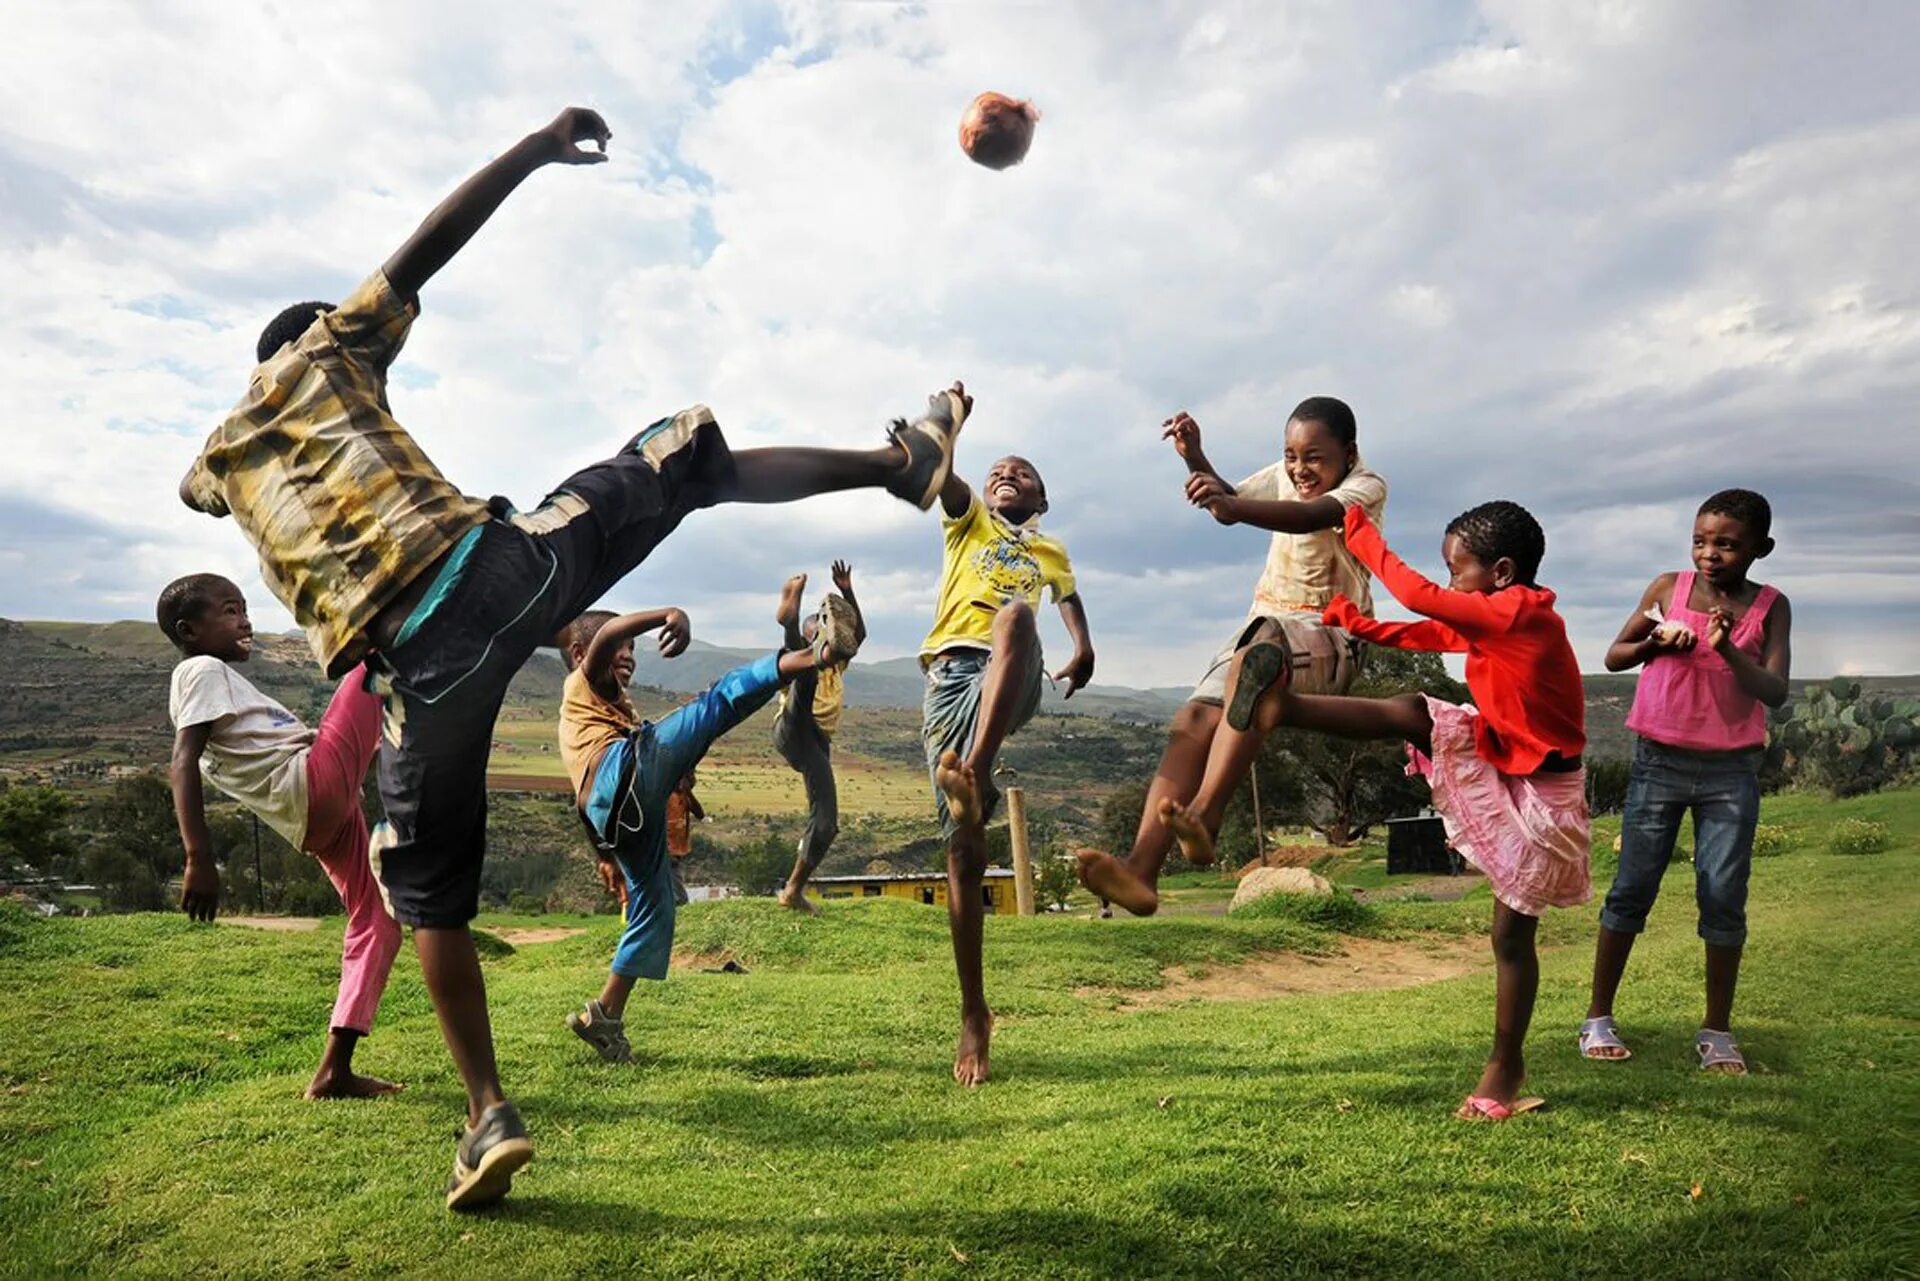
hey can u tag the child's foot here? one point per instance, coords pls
(928, 445)
(837, 638)
(606, 1034)
(487, 1157)
(796, 899)
(788, 614)
(1196, 843)
(1266, 663)
(962, 792)
(1498, 1084)
(970, 1058)
(349, 1085)
(1114, 882)
(1600, 1039)
(1719, 1052)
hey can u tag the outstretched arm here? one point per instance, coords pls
(1466, 612)
(675, 632)
(1766, 679)
(843, 582)
(1282, 515)
(1427, 635)
(200, 884)
(450, 226)
(1079, 670)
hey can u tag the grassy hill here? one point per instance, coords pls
(1161, 1106)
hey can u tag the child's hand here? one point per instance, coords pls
(610, 877)
(1076, 673)
(1719, 630)
(843, 576)
(200, 889)
(1204, 489)
(1185, 435)
(675, 632)
(569, 129)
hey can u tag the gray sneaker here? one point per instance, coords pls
(487, 1157)
(836, 638)
(606, 1034)
(929, 445)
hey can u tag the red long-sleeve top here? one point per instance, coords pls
(1520, 666)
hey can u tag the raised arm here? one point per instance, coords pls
(1079, 669)
(1766, 679)
(675, 632)
(450, 226)
(1640, 638)
(843, 583)
(200, 884)
(1466, 612)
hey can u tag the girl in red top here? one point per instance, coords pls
(1506, 775)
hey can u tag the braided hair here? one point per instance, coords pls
(1501, 528)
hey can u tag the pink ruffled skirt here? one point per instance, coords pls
(1528, 834)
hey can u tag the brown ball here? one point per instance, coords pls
(997, 130)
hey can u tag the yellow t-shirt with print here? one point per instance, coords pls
(829, 695)
(991, 562)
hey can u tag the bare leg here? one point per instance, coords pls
(787, 614)
(1131, 881)
(613, 997)
(1610, 953)
(966, 861)
(336, 1078)
(451, 969)
(1016, 647)
(1723, 975)
(1517, 979)
(785, 473)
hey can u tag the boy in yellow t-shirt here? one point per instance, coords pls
(983, 667)
(803, 731)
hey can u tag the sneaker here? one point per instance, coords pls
(836, 639)
(929, 446)
(606, 1034)
(1267, 662)
(487, 1157)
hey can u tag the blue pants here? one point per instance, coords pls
(655, 757)
(1723, 791)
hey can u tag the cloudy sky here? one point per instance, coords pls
(1600, 258)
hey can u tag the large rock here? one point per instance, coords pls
(1263, 881)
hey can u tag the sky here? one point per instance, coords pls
(1600, 258)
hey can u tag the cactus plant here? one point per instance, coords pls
(1833, 738)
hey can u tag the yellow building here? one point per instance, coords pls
(996, 888)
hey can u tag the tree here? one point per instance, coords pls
(761, 866)
(1054, 879)
(34, 828)
(137, 818)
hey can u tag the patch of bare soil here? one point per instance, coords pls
(1441, 889)
(520, 938)
(284, 924)
(1366, 964)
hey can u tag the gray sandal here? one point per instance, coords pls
(1601, 1034)
(1719, 1052)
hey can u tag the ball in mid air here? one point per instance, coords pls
(997, 130)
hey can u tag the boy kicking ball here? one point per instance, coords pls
(983, 667)
(803, 732)
(444, 596)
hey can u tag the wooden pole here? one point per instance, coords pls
(259, 886)
(1022, 857)
(1259, 832)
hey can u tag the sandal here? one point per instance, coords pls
(1601, 1034)
(1719, 1052)
(1480, 1108)
(1265, 662)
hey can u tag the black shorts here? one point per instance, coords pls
(529, 575)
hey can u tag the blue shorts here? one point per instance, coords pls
(950, 716)
(1722, 789)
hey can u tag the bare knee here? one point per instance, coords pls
(1195, 721)
(966, 860)
(1513, 936)
(1014, 624)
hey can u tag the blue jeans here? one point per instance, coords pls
(647, 765)
(1723, 791)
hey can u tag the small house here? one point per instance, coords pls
(996, 888)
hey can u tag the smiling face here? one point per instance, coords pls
(1014, 489)
(1315, 459)
(221, 628)
(1724, 549)
(1469, 572)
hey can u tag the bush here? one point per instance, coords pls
(1339, 910)
(1859, 836)
(1607, 778)
(1771, 840)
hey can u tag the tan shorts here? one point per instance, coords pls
(1326, 659)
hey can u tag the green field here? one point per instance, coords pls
(799, 1121)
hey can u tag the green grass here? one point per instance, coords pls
(798, 1120)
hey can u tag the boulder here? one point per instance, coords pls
(1263, 881)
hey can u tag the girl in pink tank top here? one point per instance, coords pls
(1715, 648)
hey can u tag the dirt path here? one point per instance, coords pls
(1365, 964)
(283, 924)
(520, 938)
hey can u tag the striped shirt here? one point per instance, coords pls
(340, 503)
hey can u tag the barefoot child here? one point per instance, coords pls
(983, 667)
(803, 732)
(445, 596)
(303, 783)
(1506, 774)
(1715, 645)
(625, 769)
(1303, 500)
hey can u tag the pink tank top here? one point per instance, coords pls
(1692, 699)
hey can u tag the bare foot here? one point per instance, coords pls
(788, 615)
(963, 793)
(797, 900)
(1196, 843)
(1500, 1083)
(1112, 880)
(970, 1058)
(351, 1086)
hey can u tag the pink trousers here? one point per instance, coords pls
(343, 747)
